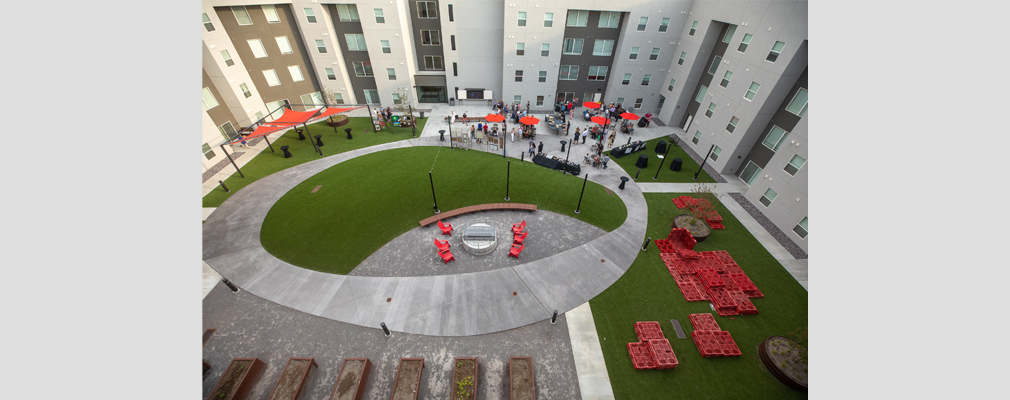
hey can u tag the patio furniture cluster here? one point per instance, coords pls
(653, 350)
(710, 339)
(518, 236)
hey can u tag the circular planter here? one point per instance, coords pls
(338, 120)
(698, 228)
(796, 379)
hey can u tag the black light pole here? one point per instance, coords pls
(703, 162)
(433, 192)
(661, 161)
(232, 161)
(413, 129)
(569, 150)
(508, 174)
(583, 192)
(449, 121)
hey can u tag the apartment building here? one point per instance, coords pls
(732, 75)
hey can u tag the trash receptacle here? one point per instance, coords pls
(661, 146)
(675, 165)
(422, 114)
(452, 101)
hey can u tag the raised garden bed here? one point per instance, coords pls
(698, 228)
(781, 356)
(521, 383)
(352, 379)
(238, 379)
(292, 379)
(464, 378)
(408, 379)
(337, 120)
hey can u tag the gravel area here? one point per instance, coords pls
(784, 240)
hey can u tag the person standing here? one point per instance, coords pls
(513, 134)
(606, 159)
(541, 148)
(533, 149)
(610, 140)
(584, 134)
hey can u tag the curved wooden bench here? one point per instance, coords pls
(480, 207)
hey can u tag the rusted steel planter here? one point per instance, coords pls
(238, 379)
(292, 379)
(769, 362)
(408, 379)
(352, 379)
(464, 378)
(522, 386)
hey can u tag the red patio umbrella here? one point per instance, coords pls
(631, 116)
(495, 118)
(600, 120)
(590, 104)
(529, 120)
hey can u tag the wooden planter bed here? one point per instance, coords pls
(464, 378)
(521, 383)
(408, 379)
(238, 379)
(292, 379)
(352, 379)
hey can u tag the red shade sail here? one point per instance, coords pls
(495, 118)
(330, 111)
(529, 120)
(292, 117)
(600, 120)
(628, 115)
(260, 131)
(590, 104)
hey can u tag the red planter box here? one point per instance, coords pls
(455, 374)
(238, 379)
(523, 389)
(413, 383)
(293, 377)
(350, 387)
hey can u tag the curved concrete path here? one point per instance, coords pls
(448, 305)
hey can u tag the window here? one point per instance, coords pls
(519, 75)
(391, 73)
(672, 82)
(312, 101)
(694, 29)
(450, 13)
(725, 78)
(427, 10)
(543, 77)
(257, 48)
(578, 17)
(711, 110)
(245, 90)
(207, 151)
(795, 164)
(752, 90)
(296, 73)
(572, 47)
(276, 109)
(227, 130)
(271, 13)
(285, 45)
(338, 98)
(259, 115)
(384, 44)
(626, 80)
(452, 39)
(355, 41)
(775, 138)
(732, 124)
(638, 103)
(227, 58)
(768, 197)
(655, 54)
(208, 99)
(696, 138)
(569, 73)
(603, 47)
(207, 24)
(801, 228)
(620, 100)
(646, 79)
(396, 98)
(241, 15)
(330, 74)
(701, 93)
(271, 76)
(522, 18)
(433, 63)
(749, 172)
(349, 12)
(641, 23)
(729, 34)
(776, 50)
(661, 101)
(520, 49)
(683, 55)
(548, 20)
(634, 54)
(664, 24)
(455, 72)
(716, 151)
(379, 17)
(430, 38)
(715, 65)
(517, 99)
(598, 73)
(545, 49)
(540, 101)
(320, 46)
(798, 105)
(743, 43)
(609, 19)
(310, 15)
(362, 68)
(372, 96)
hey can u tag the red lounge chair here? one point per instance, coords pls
(446, 228)
(446, 256)
(442, 245)
(516, 249)
(518, 239)
(517, 228)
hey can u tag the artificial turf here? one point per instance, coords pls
(686, 173)
(267, 162)
(647, 292)
(365, 202)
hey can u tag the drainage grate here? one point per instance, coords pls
(676, 327)
(207, 334)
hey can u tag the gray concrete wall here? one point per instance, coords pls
(478, 28)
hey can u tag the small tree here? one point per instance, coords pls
(406, 100)
(705, 206)
(329, 95)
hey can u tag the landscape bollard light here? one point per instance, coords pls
(554, 319)
(385, 330)
(223, 186)
(230, 285)
(646, 244)
(636, 174)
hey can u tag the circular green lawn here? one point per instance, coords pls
(365, 202)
